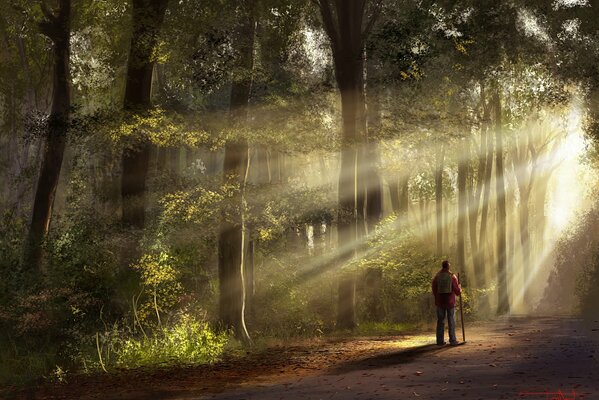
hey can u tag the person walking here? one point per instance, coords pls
(445, 288)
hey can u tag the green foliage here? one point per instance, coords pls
(271, 214)
(288, 303)
(42, 322)
(408, 264)
(117, 298)
(187, 341)
(160, 284)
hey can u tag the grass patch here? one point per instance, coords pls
(187, 342)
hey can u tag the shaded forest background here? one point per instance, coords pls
(180, 178)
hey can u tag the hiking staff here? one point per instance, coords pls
(462, 314)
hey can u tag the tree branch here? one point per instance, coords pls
(328, 22)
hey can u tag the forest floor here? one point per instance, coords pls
(509, 358)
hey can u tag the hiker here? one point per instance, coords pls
(445, 288)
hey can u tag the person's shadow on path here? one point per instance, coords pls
(387, 359)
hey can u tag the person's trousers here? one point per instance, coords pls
(450, 324)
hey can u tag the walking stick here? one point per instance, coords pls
(462, 314)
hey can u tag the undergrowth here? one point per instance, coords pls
(189, 341)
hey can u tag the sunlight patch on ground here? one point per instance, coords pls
(410, 341)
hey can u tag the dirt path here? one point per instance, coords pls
(502, 360)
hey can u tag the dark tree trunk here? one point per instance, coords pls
(374, 203)
(343, 23)
(231, 257)
(439, 201)
(503, 306)
(374, 200)
(148, 16)
(58, 28)
(462, 212)
(394, 193)
(249, 278)
(373, 184)
(361, 176)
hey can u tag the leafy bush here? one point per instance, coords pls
(287, 303)
(160, 279)
(408, 264)
(188, 341)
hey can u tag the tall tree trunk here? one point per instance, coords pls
(524, 179)
(404, 197)
(373, 184)
(373, 187)
(374, 198)
(523, 216)
(540, 199)
(462, 211)
(482, 241)
(511, 243)
(148, 16)
(232, 235)
(439, 200)
(249, 278)
(474, 190)
(343, 23)
(394, 194)
(57, 27)
(503, 306)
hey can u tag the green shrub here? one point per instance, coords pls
(188, 341)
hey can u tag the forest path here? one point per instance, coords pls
(501, 360)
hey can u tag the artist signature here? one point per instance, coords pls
(559, 395)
